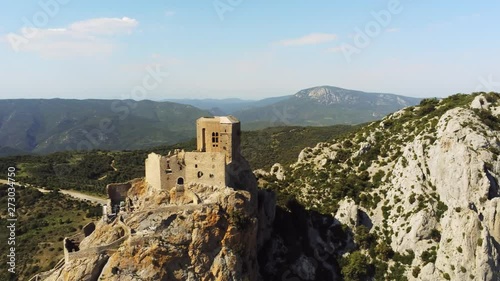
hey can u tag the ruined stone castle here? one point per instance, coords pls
(183, 216)
(218, 147)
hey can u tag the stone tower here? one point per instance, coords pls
(219, 134)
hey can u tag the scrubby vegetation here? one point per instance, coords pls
(42, 223)
(282, 145)
(360, 166)
(91, 171)
(374, 145)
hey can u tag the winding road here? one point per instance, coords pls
(72, 193)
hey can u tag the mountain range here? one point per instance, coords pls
(318, 106)
(44, 126)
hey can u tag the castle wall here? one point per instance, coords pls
(153, 168)
(206, 168)
(218, 144)
(117, 192)
(174, 169)
(233, 142)
(162, 172)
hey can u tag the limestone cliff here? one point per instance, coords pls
(417, 193)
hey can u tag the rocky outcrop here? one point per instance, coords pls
(278, 171)
(199, 232)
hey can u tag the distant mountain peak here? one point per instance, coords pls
(330, 95)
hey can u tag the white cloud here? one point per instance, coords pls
(105, 26)
(82, 38)
(310, 39)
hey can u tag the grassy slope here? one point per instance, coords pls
(43, 221)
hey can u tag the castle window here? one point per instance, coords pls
(215, 137)
(200, 174)
(196, 165)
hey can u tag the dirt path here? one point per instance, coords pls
(113, 165)
(72, 193)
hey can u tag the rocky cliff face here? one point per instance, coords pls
(418, 190)
(199, 233)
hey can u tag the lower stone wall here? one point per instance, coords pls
(206, 168)
(118, 192)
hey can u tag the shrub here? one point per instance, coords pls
(363, 237)
(412, 198)
(435, 235)
(356, 267)
(488, 119)
(441, 208)
(384, 251)
(427, 106)
(415, 272)
(429, 256)
(480, 242)
(404, 259)
(241, 221)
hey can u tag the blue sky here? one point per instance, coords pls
(246, 48)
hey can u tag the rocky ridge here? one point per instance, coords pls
(418, 190)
